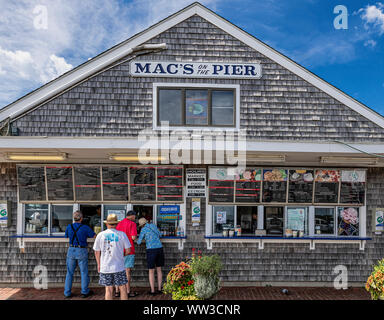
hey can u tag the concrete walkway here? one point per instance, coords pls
(226, 293)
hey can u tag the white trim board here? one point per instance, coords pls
(98, 63)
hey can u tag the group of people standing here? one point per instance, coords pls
(114, 251)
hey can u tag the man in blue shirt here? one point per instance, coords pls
(78, 254)
(155, 254)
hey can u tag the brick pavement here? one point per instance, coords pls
(226, 293)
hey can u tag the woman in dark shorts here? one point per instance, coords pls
(155, 254)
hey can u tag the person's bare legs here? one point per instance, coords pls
(123, 292)
(151, 273)
(128, 285)
(159, 277)
(108, 293)
(116, 289)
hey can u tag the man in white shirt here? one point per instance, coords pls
(110, 248)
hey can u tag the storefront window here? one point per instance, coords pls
(222, 107)
(36, 218)
(223, 219)
(117, 209)
(274, 220)
(296, 222)
(247, 219)
(168, 220)
(325, 221)
(170, 104)
(61, 217)
(348, 221)
(196, 107)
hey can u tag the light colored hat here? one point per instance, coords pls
(142, 221)
(111, 219)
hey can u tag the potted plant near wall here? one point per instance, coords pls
(196, 279)
(375, 282)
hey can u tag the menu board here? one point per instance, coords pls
(247, 185)
(115, 183)
(142, 181)
(326, 186)
(60, 183)
(352, 189)
(300, 186)
(31, 182)
(274, 185)
(221, 185)
(87, 184)
(170, 184)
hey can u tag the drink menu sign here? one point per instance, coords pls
(115, 183)
(87, 183)
(326, 186)
(196, 181)
(170, 184)
(142, 182)
(31, 181)
(221, 185)
(274, 185)
(352, 189)
(300, 187)
(248, 184)
(60, 183)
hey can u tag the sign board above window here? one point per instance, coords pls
(195, 69)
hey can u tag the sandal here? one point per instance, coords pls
(117, 294)
(132, 294)
(152, 293)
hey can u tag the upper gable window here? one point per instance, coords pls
(196, 106)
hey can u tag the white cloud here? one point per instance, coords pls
(76, 30)
(370, 43)
(373, 15)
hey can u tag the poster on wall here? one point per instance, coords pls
(296, 219)
(352, 189)
(221, 185)
(196, 210)
(248, 185)
(348, 221)
(300, 186)
(196, 182)
(274, 185)
(221, 217)
(326, 186)
(5, 219)
(379, 219)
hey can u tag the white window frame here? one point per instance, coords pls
(236, 87)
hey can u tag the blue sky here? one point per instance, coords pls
(34, 51)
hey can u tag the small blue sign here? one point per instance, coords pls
(169, 209)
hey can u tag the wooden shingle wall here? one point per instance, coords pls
(242, 262)
(279, 106)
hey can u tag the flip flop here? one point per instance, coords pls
(132, 294)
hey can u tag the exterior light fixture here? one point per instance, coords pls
(349, 160)
(40, 156)
(266, 158)
(135, 158)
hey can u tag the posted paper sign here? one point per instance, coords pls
(119, 213)
(221, 217)
(196, 209)
(4, 214)
(196, 181)
(379, 219)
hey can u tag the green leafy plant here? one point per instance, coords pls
(179, 282)
(375, 282)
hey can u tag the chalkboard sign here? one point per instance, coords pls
(87, 184)
(300, 188)
(352, 188)
(326, 186)
(352, 192)
(60, 183)
(31, 181)
(248, 184)
(274, 185)
(221, 191)
(115, 183)
(142, 182)
(169, 184)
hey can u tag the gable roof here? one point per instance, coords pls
(89, 68)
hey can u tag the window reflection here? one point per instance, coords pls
(325, 221)
(222, 107)
(36, 218)
(170, 106)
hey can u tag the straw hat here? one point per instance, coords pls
(111, 219)
(142, 221)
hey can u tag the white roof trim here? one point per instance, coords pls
(98, 63)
